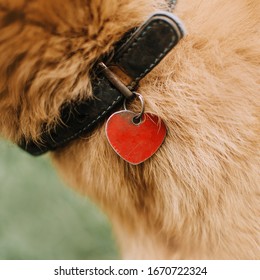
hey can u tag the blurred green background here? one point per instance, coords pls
(40, 218)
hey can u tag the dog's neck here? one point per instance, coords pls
(133, 55)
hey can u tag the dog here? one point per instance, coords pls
(198, 196)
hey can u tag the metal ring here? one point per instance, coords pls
(141, 99)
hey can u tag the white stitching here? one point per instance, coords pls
(157, 59)
(93, 122)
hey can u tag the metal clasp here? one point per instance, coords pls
(115, 81)
(138, 117)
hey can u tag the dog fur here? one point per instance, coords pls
(198, 197)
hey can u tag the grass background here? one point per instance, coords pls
(40, 218)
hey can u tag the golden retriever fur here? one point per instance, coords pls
(198, 197)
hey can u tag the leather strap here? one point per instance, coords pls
(148, 46)
(137, 56)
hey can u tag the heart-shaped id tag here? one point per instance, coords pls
(135, 142)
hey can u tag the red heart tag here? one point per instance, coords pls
(135, 143)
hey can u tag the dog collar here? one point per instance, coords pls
(136, 55)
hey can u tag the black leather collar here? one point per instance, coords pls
(136, 55)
